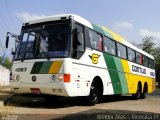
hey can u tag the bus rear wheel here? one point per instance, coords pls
(138, 93)
(143, 95)
(145, 90)
(94, 95)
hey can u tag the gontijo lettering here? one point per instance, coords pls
(138, 69)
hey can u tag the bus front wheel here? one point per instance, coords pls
(94, 95)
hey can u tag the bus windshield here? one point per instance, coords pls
(42, 41)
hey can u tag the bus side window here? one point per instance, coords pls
(99, 42)
(131, 55)
(122, 51)
(113, 51)
(109, 46)
(119, 53)
(145, 61)
(95, 40)
(92, 36)
(151, 64)
(138, 58)
(78, 41)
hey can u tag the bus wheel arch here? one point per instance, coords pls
(98, 80)
(145, 91)
(96, 91)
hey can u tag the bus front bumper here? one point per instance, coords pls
(47, 88)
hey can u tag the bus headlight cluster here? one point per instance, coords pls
(56, 78)
(15, 77)
(60, 77)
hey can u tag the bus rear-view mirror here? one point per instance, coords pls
(7, 41)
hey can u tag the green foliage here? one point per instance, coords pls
(7, 63)
(157, 56)
(150, 47)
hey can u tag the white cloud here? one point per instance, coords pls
(122, 26)
(24, 16)
(146, 32)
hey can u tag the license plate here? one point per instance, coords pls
(35, 90)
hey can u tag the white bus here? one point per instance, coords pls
(66, 55)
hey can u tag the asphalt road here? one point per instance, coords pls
(23, 107)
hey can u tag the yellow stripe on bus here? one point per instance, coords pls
(55, 67)
(127, 70)
(114, 35)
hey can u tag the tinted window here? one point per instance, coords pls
(49, 40)
(138, 58)
(151, 64)
(131, 55)
(109, 46)
(80, 36)
(78, 41)
(95, 40)
(121, 51)
(145, 61)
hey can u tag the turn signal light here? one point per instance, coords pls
(67, 77)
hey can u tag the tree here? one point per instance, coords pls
(7, 63)
(157, 54)
(148, 45)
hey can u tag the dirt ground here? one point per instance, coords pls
(27, 107)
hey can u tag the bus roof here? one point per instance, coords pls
(101, 29)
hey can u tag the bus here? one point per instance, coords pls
(66, 55)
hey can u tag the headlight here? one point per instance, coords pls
(16, 77)
(60, 77)
(54, 77)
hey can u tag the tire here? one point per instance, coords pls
(138, 93)
(51, 99)
(94, 95)
(143, 95)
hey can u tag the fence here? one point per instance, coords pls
(4, 76)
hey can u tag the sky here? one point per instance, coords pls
(132, 19)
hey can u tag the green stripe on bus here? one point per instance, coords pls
(45, 67)
(108, 34)
(121, 75)
(111, 65)
(101, 30)
(97, 28)
(36, 67)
